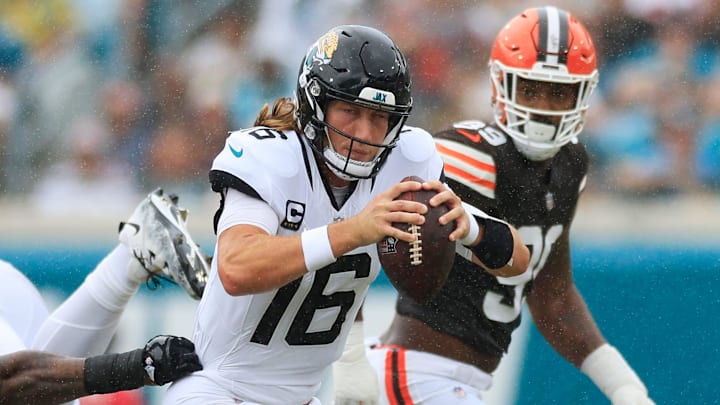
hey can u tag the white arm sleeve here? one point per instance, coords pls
(240, 208)
(84, 324)
(9, 340)
(22, 307)
(608, 369)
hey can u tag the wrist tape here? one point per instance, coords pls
(114, 372)
(495, 249)
(473, 232)
(607, 368)
(316, 248)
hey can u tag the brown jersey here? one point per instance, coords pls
(485, 169)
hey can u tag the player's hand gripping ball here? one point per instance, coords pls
(419, 269)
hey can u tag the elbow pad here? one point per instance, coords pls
(497, 245)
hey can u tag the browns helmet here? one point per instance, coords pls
(544, 44)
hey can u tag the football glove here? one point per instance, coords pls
(167, 358)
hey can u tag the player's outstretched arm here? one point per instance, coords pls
(564, 319)
(35, 377)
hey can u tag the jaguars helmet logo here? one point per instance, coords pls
(327, 45)
(322, 51)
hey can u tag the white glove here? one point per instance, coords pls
(608, 369)
(630, 395)
(354, 379)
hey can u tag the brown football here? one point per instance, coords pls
(419, 269)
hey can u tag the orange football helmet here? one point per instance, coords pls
(542, 44)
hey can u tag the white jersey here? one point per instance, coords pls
(22, 309)
(274, 347)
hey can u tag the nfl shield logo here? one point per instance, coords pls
(388, 246)
(549, 201)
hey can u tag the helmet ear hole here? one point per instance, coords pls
(314, 88)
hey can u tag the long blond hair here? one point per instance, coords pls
(281, 117)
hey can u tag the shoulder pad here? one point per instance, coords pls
(414, 155)
(472, 125)
(490, 134)
(262, 158)
(416, 144)
(260, 149)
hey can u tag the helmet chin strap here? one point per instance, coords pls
(332, 156)
(352, 169)
(539, 131)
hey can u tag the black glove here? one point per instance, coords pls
(167, 358)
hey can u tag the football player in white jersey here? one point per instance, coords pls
(154, 243)
(529, 169)
(304, 197)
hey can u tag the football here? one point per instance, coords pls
(419, 269)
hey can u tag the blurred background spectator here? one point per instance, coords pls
(164, 81)
(706, 157)
(87, 180)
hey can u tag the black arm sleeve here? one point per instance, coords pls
(114, 372)
(496, 247)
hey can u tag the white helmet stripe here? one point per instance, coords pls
(553, 46)
(553, 38)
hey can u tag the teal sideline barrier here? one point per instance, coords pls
(658, 304)
(60, 268)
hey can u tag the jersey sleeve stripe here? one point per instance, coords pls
(485, 187)
(468, 166)
(470, 156)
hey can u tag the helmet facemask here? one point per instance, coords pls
(538, 139)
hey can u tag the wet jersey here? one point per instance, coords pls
(273, 347)
(485, 169)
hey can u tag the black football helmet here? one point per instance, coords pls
(358, 65)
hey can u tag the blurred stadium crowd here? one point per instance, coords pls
(106, 99)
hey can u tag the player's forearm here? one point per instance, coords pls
(30, 377)
(568, 326)
(255, 263)
(495, 245)
(345, 236)
(250, 261)
(517, 265)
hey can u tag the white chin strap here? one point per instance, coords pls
(539, 132)
(538, 143)
(354, 169)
